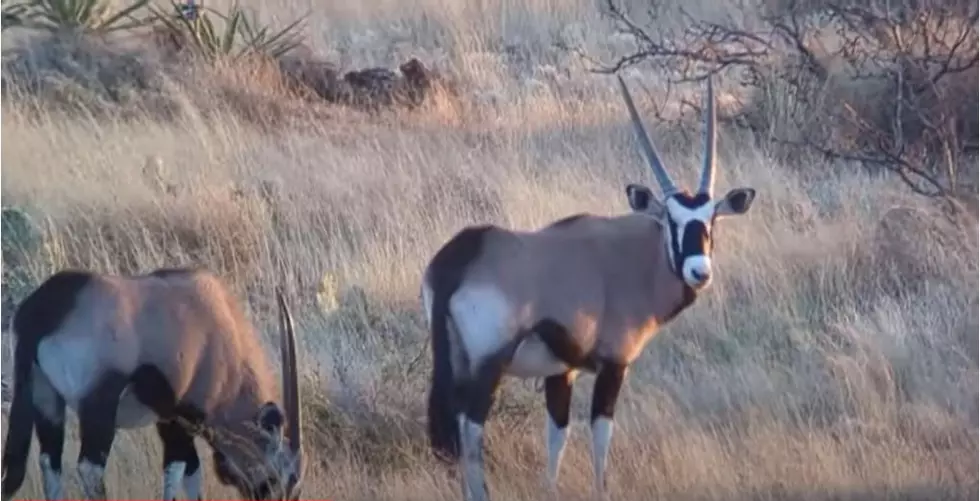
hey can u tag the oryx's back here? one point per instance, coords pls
(184, 323)
(586, 274)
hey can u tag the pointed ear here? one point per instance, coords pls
(270, 418)
(641, 199)
(736, 202)
(639, 196)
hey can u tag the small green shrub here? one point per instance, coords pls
(13, 14)
(85, 16)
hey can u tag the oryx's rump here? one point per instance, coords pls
(440, 282)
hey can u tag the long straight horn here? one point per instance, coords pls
(290, 375)
(710, 143)
(649, 151)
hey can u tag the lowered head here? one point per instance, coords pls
(263, 458)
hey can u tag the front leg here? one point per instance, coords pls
(558, 400)
(181, 463)
(97, 427)
(605, 393)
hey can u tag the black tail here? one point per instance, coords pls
(37, 316)
(445, 274)
(21, 427)
(443, 426)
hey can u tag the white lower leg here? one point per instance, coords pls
(192, 484)
(471, 441)
(173, 475)
(93, 479)
(556, 438)
(602, 430)
(51, 478)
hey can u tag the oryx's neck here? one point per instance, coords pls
(663, 288)
(240, 403)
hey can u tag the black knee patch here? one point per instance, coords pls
(561, 344)
(97, 418)
(605, 393)
(151, 388)
(558, 398)
(178, 445)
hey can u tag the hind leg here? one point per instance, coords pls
(181, 463)
(480, 393)
(97, 423)
(49, 424)
(558, 400)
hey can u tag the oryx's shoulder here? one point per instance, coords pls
(570, 221)
(182, 276)
(174, 282)
(596, 226)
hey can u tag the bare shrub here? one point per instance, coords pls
(887, 86)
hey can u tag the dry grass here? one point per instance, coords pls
(834, 358)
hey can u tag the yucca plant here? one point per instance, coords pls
(14, 14)
(85, 16)
(239, 34)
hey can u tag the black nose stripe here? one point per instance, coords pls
(695, 236)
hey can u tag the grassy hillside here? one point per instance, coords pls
(835, 356)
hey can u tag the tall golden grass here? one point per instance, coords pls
(835, 356)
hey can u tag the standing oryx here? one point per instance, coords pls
(172, 348)
(584, 293)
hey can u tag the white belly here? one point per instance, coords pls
(532, 358)
(71, 366)
(485, 323)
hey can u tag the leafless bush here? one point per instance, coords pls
(887, 85)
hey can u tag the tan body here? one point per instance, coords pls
(604, 279)
(171, 349)
(121, 323)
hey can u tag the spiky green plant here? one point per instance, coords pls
(84, 16)
(238, 35)
(13, 14)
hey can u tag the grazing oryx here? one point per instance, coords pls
(171, 348)
(584, 293)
